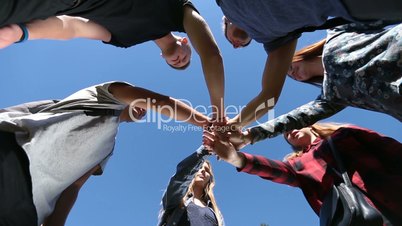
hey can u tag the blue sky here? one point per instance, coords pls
(145, 157)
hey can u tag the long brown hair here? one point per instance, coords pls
(320, 129)
(208, 195)
(309, 52)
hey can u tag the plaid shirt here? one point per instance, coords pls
(374, 161)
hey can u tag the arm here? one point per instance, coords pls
(66, 201)
(59, 28)
(212, 63)
(298, 118)
(146, 99)
(277, 171)
(273, 78)
(178, 184)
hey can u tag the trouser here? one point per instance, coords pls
(389, 10)
(16, 204)
(22, 11)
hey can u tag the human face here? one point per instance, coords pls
(298, 71)
(300, 137)
(236, 36)
(203, 176)
(180, 54)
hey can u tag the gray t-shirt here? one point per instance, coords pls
(272, 22)
(63, 144)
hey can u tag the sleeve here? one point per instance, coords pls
(298, 118)
(274, 170)
(30, 107)
(180, 181)
(271, 46)
(382, 146)
(102, 165)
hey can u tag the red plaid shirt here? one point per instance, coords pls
(374, 161)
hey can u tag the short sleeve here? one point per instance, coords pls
(271, 46)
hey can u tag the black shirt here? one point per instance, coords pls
(133, 21)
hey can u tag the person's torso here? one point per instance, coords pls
(365, 70)
(198, 216)
(62, 142)
(266, 21)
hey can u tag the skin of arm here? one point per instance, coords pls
(58, 28)
(221, 146)
(204, 43)
(273, 78)
(165, 105)
(66, 201)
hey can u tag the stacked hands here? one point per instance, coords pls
(225, 140)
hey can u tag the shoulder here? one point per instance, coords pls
(354, 131)
(190, 5)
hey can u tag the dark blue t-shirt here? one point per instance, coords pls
(198, 216)
(272, 22)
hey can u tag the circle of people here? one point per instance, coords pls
(358, 64)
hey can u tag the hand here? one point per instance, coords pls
(221, 146)
(9, 34)
(238, 139)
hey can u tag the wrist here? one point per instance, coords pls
(237, 160)
(25, 33)
(247, 137)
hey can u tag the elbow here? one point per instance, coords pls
(212, 55)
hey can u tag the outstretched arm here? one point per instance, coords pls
(277, 171)
(180, 181)
(58, 28)
(146, 99)
(204, 43)
(301, 117)
(274, 75)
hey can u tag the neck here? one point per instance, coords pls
(316, 67)
(198, 192)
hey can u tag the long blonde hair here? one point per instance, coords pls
(319, 129)
(208, 195)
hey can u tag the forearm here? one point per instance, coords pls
(274, 170)
(65, 28)
(183, 112)
(211, 59)
(168, 106)
(298, 118)
(179, 182)
(214, 78)
(236, 159)
(274, 76)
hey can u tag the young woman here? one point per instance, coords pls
(364, 72)
(49, 148)
(122, 23)
(372, 162)
(189, 197)
(264, 21)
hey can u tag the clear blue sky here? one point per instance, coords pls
(145, 157)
